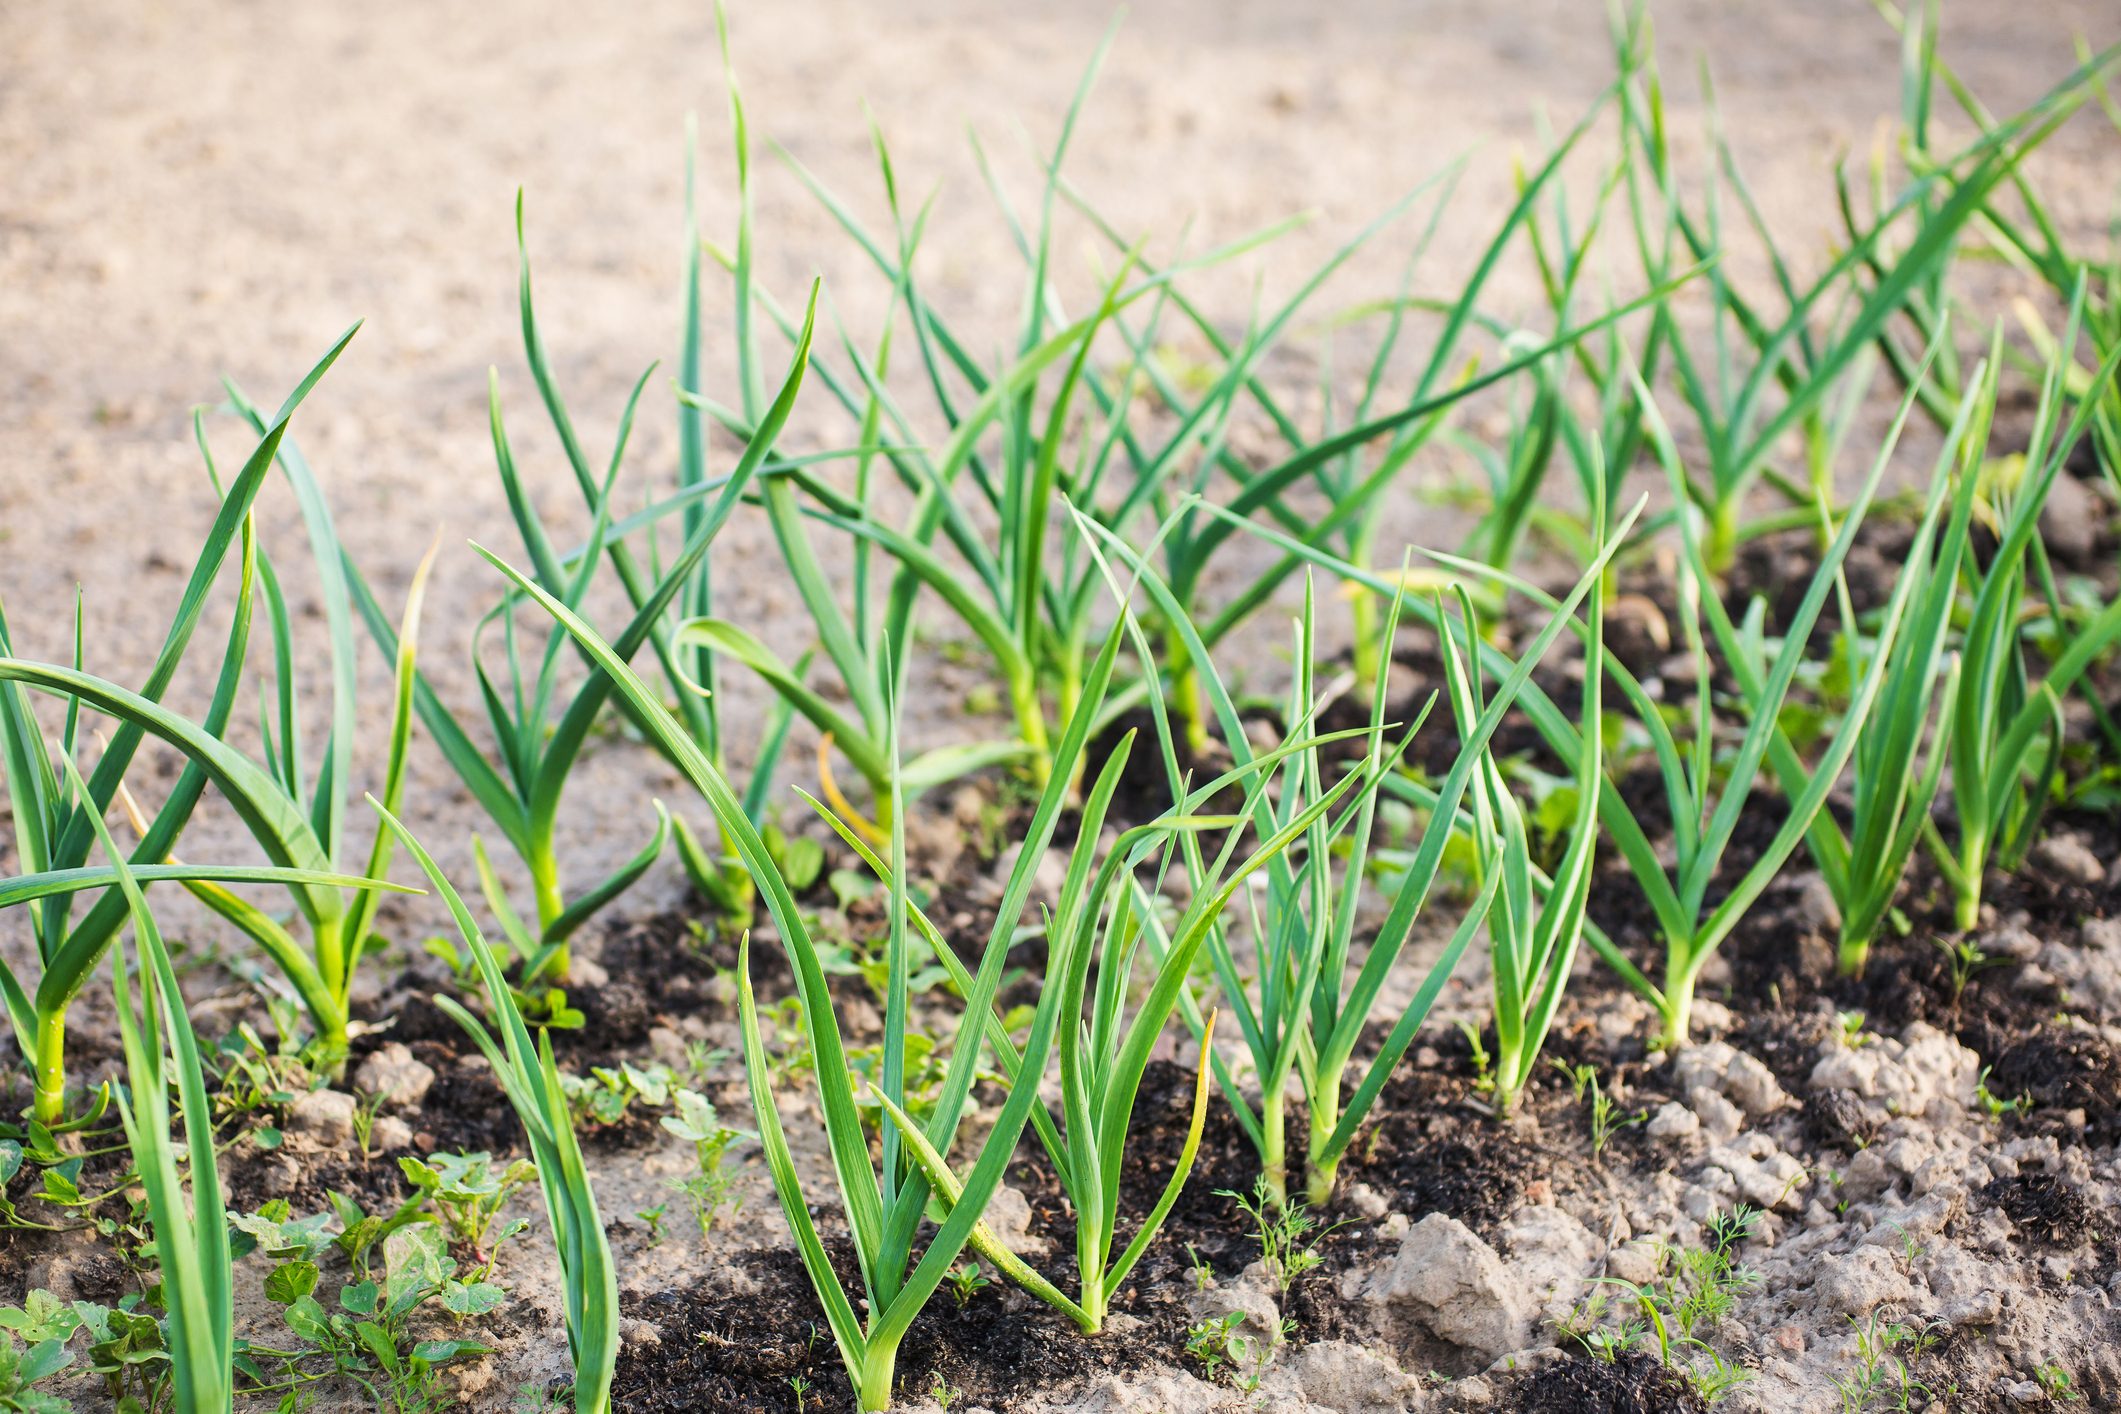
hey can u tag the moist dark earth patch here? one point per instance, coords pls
(1586, 1384)
(1427, 1150)
(1226, 1161)
(721, 1349)
(1779, 569)
(1144, 790)
(685, 964)
(2056, 905)
(1457, 1169)
(635, 1132)
(1783, 1030)
(1417, 674)
(413, 1020)
(735, 1352)
(1837, 1119)
(465, 1110)
(307, 1181)
(97, 1274)
(1620, 908)
(2064, 1070)
(2045, 1207)
(94, 1271)
(1435, 747)
(469, 1111)
(1909, 977)
(1205, 1223)
(1785, 991)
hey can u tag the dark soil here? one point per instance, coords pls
(2064, 1071)
(1428, 1153)
(1836, 1119)
(1144, 790)
(1418, 672)
(307, 1181)
(661, 970)
(736, 1352)
(1585, 1384)
(730, 1350)
(2051, 904)
(466, 1110)
(2044, 1207)
(1785, 990)
(1779, 569)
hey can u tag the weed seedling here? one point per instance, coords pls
(21, 1369)
(1995, 1105)
(261, 1081)
(534, 1398)
(1697, 1288)
(2061, 1389)
(1203, 1274)
(367, 1336)
(1966, 959)
(965, 1281)
(1586, 1324)
(607, 1094)
(366, 1108)
(1581, 1077)
(1216, 1344)
(1882, 1378)
(467, 1194)
(1288, 1235)
(1606, 1118)
(1715, 1376)
(1483, 1063)
(1850, 1025)
(710, 1187)
(1911, 1248)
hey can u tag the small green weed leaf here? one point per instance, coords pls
(291, 1280)
(379, 1345)
(307, 1320)
(41, 1317)
(473, 1298)
(46, 1358)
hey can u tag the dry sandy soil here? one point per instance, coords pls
(189, 190)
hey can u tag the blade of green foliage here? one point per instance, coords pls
(531, 1081)
(191, 1237)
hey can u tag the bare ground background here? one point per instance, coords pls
(206, 189)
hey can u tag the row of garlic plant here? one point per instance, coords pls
(1302, 1008)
